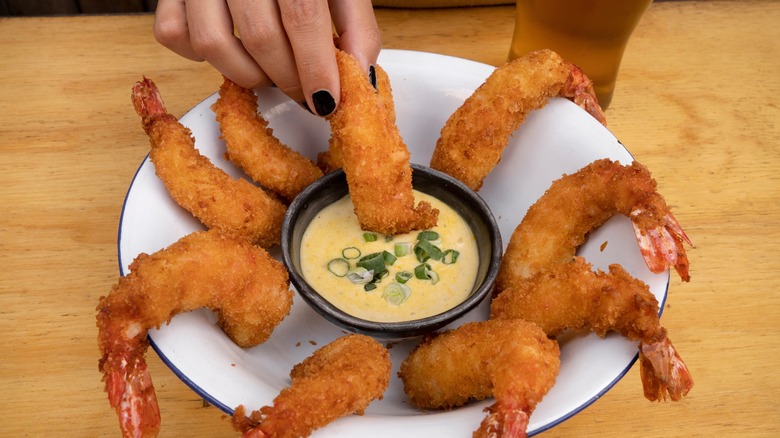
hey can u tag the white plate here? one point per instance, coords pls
(560, 138)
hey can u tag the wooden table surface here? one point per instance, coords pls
(696, 101)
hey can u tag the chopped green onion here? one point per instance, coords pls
(403, 276)
(389, 257)
(425, 250)
(368, 287)
(428, 235)
(350, 253)
(338, 267)
(401, 249)
(424, 272)
(450, 256)
(396, 294)
(421, 271)
(369, 237)
(360, 275)
(388, 238)
(373, 262)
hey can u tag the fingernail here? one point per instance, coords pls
(372, 76)
(323, 102)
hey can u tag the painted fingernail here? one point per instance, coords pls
(372, 76)
(323, 103)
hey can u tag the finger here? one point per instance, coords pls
(309, 29)
(211, 36)
(358, 31)
(171, 30)
(260, 29)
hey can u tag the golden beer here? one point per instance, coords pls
(590, 33)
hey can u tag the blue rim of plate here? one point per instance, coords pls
(228, 410)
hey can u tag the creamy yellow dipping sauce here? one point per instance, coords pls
(336, 228)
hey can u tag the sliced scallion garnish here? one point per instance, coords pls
(360, 275)
(402, 248)
(369, 237)
(373, 262)
(389, 257)
(428, 235)
(450, 256)
(403, 276)
(350, 253)
(421, 271)
(338, 267)
(425, 250)
(368, 287)
(396, 294)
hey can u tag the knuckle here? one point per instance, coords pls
(301, 15)
(207, 44)
(256, 36)
(169, 31)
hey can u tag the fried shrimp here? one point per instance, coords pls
(252, 146)
(332, 159)
(241, 283)
(475, 136)
(235, 207)
(339, 379)
(572, 296)
(374, 157)
(511, 360)
(558, 223)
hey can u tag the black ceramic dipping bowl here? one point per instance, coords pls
(332, 187)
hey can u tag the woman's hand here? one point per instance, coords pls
(287, 43)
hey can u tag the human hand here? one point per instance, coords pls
(287, 43)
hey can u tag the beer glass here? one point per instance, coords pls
(589, 33)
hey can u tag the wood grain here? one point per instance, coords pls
(696, 101)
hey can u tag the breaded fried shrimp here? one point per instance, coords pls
(375, 158)
(241, 283)
(332, 159)
(475, 136)
(559, 221)
(252, 146)
(511, 360)
(339, 379)
(233, 206)
(573, 296)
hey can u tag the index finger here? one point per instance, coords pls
(309, 29)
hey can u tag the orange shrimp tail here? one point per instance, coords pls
(503, 421)
(579, 89)
(131, 394)
(663, 371)
(146, 98)
(254, 433)
(662, 247)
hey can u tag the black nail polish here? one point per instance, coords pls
(372, 76)
(323, 102)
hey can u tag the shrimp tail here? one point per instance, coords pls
(254, 433)
(579, 89)
(504, 421)
(131, 394)
(662, 247)
(663, 371)
(147, 100)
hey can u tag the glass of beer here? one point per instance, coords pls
(589, 33)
